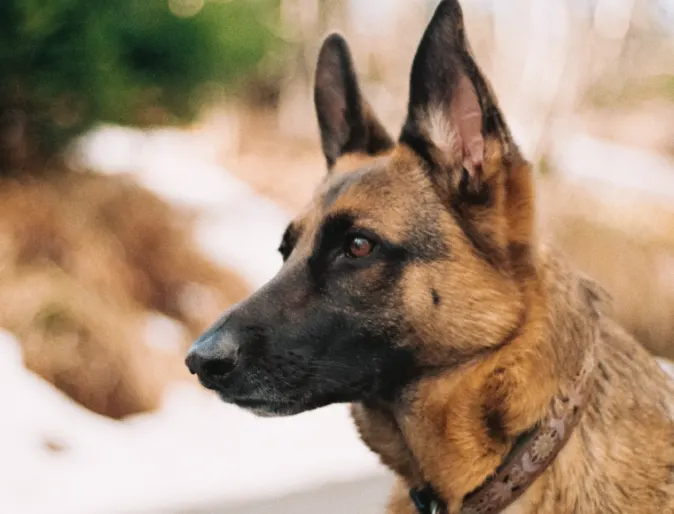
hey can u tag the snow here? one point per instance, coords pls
(58, 458)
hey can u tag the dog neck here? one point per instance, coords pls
(531, 455)
(469, 432)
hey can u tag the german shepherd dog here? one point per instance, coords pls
(414, 288)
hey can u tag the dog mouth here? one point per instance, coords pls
(255, 402)
(267, 408)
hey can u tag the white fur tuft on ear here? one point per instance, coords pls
(442, 132)
(456, 132)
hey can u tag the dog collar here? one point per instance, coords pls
(530, 457)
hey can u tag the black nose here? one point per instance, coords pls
(213, 355)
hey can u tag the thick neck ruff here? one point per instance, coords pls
(530, 457)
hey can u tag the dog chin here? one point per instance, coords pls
(275, 410)
(266, 408)
(270, 413)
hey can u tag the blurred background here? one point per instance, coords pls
(151, 153)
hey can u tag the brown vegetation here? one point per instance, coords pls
(85, 261)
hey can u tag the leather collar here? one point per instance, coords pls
(529, 458)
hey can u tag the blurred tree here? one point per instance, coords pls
(66, 64)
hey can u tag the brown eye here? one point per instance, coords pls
(359, 247)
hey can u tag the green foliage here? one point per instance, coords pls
(70, 63)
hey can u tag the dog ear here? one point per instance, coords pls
(346, 121)
(454, 124)
(452, 111)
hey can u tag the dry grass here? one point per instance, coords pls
(85, 260)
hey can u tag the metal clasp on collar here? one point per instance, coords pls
(426, 501)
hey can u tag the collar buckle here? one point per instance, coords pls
(426, 501)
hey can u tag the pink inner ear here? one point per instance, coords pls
(467, 118)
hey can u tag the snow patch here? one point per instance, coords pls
(164, 334)
(237, 227)
(58, 458)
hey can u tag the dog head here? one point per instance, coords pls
(410, 257)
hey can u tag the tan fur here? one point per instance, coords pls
(350, 162)
(498, 322)
(623, 450)
(625, 441)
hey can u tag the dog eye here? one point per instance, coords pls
(358, 247)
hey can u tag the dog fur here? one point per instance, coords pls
(454, 329)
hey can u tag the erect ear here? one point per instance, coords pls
(452, 111)
(455, 126)
(346, 121)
